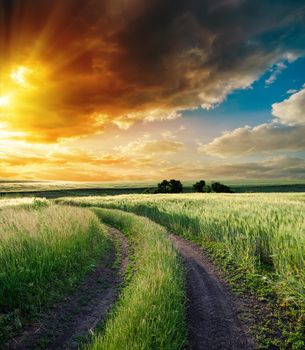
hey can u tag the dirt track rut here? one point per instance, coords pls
(75, 317)
(211, 312)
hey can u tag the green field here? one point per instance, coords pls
(262, 235)
(47, 249)
(265, 233)
(258, 240)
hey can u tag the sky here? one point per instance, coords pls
(134, 90)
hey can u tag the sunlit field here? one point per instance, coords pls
(257, 240)
(26, 201)
(47, 249)
(44, 251)
(263, 235)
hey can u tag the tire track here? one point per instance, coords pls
(211, 313)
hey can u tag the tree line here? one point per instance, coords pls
(175, 186)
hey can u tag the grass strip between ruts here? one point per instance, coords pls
(151, 312)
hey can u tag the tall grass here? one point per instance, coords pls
(259, 238)
(150, 313)
(263, 233)
(44, 252)
(24, 202)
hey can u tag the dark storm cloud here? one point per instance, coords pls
(195, 52)
(124, 58)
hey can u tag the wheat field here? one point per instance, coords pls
(263, 233)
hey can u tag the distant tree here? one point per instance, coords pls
(208, 189)
(163, 187)
(220, 188)
(199, 186)
(176, 186)
(172, 186)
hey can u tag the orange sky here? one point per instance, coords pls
(96, 90)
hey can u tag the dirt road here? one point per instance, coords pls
(211, 312)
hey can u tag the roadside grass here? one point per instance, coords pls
(45, 251)
(26, 202)
(150, 313)
(258, 238)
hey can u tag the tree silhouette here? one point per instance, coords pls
(199, 186)
(220, 188)
(172, 186)
(176, 186)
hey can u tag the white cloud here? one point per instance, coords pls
(292, 109)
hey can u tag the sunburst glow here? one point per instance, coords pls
(4, 100)
(28, 77)
(20, 75)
